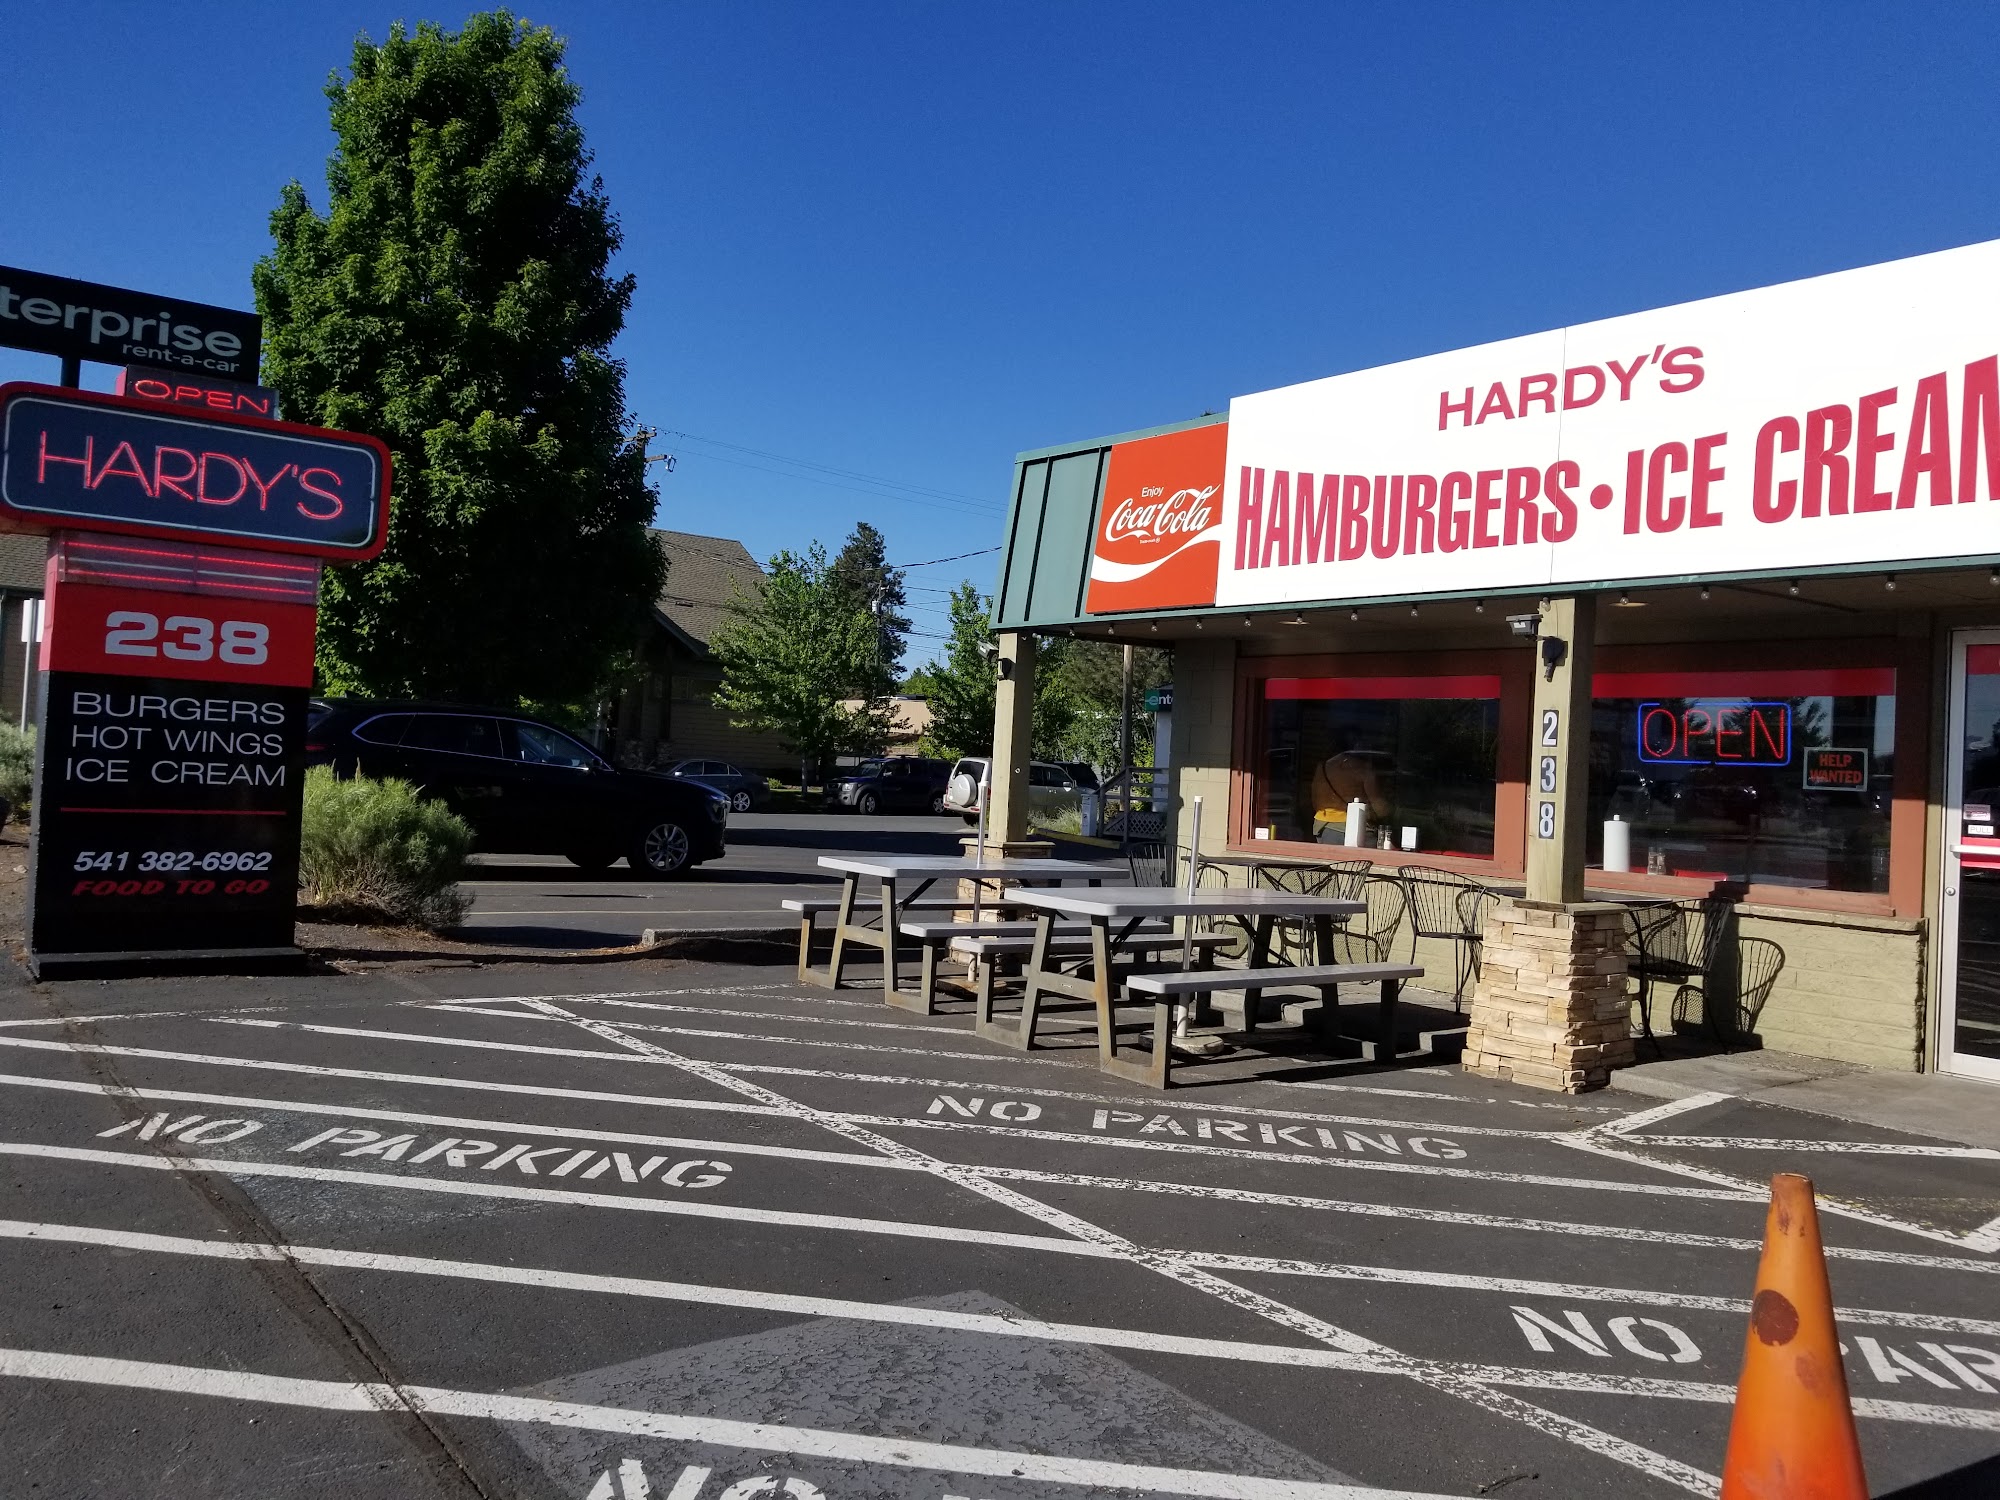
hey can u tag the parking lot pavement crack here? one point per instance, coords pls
(323, 1319)
(1170, 1265)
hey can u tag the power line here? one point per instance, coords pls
(956, 557)
(877, 482)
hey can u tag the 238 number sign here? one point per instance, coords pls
(132, 632)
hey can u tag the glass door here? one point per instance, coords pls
(1969, 914)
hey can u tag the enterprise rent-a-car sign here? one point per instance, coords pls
(112, 325)
(1846, 420)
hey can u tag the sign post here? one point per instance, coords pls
(177, 661)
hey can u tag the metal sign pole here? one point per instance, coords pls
(979, 852)
(1181, 1008)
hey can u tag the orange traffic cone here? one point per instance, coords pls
(1792, 1437)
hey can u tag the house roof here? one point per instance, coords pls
(23, 562)
(702, 574)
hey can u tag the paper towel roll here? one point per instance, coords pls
(1617, 845)
(1357, 823)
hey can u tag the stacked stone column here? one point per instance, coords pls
(1550, 1008)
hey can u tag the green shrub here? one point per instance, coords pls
(375, 849)
(17, 764)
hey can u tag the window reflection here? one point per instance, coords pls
(1417, 753)
(1765, 777)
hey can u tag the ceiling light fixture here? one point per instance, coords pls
(1704, 591)
(1479, 606)
(1793, 588)
(1626, 601)
(1354, 614)
(1889, 583)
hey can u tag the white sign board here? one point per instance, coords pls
(1847, 419)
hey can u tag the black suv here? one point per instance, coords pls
(524, 786)
(896, 783)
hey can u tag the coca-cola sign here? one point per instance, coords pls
(1159, 532)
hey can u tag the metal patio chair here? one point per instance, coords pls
(1292, 939)
(1450, 908)
(1370, 937)
(1732, 997)
(1153, 861)
(1676, 943)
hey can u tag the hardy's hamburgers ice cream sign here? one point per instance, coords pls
(1850, 419)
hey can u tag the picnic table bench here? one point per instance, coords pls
(1258, 911)
(1153, 945)
(811, 908)
(935, 938)
(1163, 989)
(904, 879)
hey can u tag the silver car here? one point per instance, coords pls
(1052, 791)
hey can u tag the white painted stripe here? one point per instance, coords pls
(706, 1295)
(1857, 1148)
(1158, 1102)
(1583, 1292)
(997, 1325)
(1642, 1118)
(1829, 1205)
(1349, 1163)
(906, 1027)
(1013, 1088)
(453, 1122)
(1122, 1184)
(754, 1437)
(1177, 1269)
(370, 1075)
(718, 1034)
(232, 1167)
(1469, 1220)
(1985, 1237)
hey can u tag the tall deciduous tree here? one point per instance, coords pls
(961, 683)
(455, 301)
(862, 568)
(791, 656)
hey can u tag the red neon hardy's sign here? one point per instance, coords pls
(75, 458)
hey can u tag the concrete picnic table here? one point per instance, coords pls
(904, 878)
(1257, 910)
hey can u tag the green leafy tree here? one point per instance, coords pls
(454, 300)
(962, 682)
(862, 568)
(791, 657)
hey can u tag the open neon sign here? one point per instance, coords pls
(1713, 732)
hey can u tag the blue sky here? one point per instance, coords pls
(901, 242)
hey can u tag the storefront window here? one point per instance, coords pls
(1419, 753)
(1777, 777)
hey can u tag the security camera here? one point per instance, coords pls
(1526, 625)
(989, 649)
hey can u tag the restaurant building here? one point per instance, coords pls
(1712, 590)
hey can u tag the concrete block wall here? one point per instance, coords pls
(1852, 988)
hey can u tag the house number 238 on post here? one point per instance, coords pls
(131, 632)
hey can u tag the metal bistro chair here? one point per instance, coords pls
(1732, 1001)
(1452, 908)
(1369, 937)
(1153, 861)
(1292, 939)
(1675, 942)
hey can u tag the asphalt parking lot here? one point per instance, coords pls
(691, 1232)
(546, 902)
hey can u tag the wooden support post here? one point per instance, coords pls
(1013, 739)
(1559, 757)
